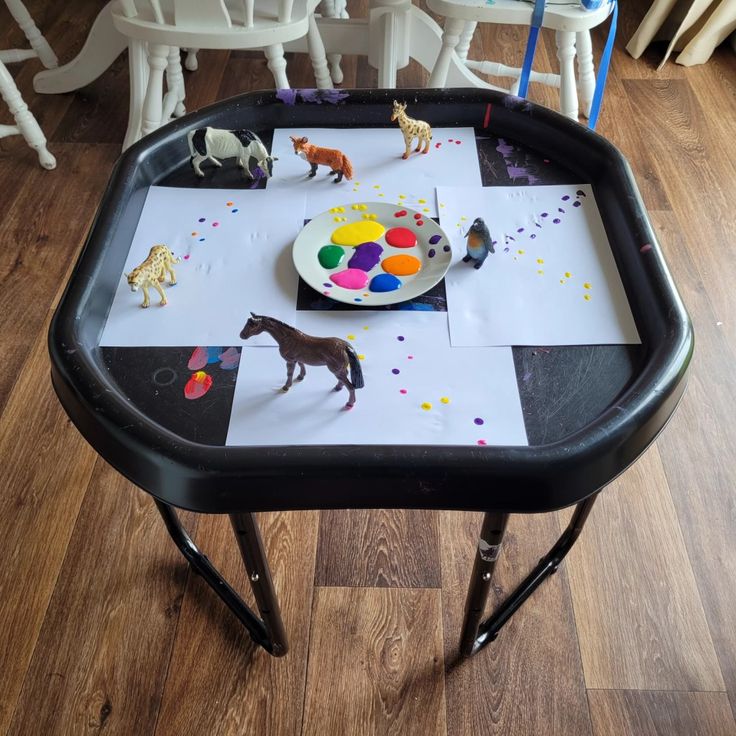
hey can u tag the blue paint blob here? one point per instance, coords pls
(435, 239)
(213, 354)
(384, 282)
(235, 210)
(201, 219)
(357, 299)
(201, 240)
(431, 253)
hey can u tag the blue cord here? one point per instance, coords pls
(531, 46)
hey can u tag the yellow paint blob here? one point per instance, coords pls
(520, 252)
(381, 194)
(402, 196)
(426, 406)
(442, 204)
(351, 337)
(445, 400)
(587, 297)
(586, 285)
(425, 209)
(562, 281)
(401, 265)
(462, 219)
(540, 272)
(366, 328)
(356, 206)
(422, 201)
(568, 275)
(356, 233)
(337, 219)
(376, 186)
(361, 356)
(540, 260)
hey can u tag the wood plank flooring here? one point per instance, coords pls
(103, 629)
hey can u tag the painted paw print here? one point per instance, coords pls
(201, 381)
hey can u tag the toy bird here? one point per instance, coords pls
(479, 243)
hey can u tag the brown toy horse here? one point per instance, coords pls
(296, 347)
(338, 162)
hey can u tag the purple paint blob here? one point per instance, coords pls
(431, 253)
(478, 421)
(506, 250)
(532, 236)
(520, 230)
(401, 338)
(350, 278)
(566, 197)
(435, 239)
(545, 214)
(581, 193)
(395, 371)
(329, 286)
(201, 219)
(446, 248)
(365, 256)
(384, 282)
(559, 209)
(556, 221)
(576, 204)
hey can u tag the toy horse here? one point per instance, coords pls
(296, 347)
(411, 129)
(152, 272)
(213, 144)
(338, 162)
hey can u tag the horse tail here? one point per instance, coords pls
(347, 167)
(356, 372)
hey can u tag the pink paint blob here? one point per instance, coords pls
(417, 216)
(401, 237)
(350, 278)
(198, 359)
(215, 224)
(402, 390)
(482, 443)
(645, 248)
(437, 145)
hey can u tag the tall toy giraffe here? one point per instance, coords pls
(412, 129)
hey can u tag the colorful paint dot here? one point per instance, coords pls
(482, 443)
(457, 143)
(587, 297)
(545, 214)
(331, 256)
(568, 275)
(401, 237)
(194, 234)
(395, 371)
(425, 209)
(401, 265)
(556, 221)
(566, 197)
(402, 196)
(540, 272)
(446, 248)
(435, 239)
(356, 206)
(384, 282)
(520, 252)
(586, 285)
(201, 219)
(201, 240)
(431, 253)
(229, 204)
(437, 145)
(235, 210)
(366, 328)
(540, 260)
(350, 278)
(420, 223)
(562, 281)
(445, 400)
(478, 421)
(422, 201)
(376, 186)
(186, 257)
(356, 233)
(197, 386)
(400, 338)
(351, 337)
(361, 356)
(410, 357)
(426, 405)
(402, 390)
(576, 204)
(357, 299)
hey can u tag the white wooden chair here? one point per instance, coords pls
(572, 25)
(158, 29)
(25, 124)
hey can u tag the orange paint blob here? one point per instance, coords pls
(401, 265)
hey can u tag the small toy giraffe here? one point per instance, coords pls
(411, 129)
(152, 272)
(338, 162)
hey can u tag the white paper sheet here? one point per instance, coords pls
(381, 175)
(552, 279)
(235, 249)
(418, 390)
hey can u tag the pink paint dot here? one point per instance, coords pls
(645, 248)
(437, 145)
(457, 143)
(326, 293)
(420, 223)
(186, 258)
(482, 443)
(402, 390)
(450, 140)
(215, 224)
(410, 357)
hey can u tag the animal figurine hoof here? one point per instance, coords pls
(477, 265)
(348, 407)
(284, 389)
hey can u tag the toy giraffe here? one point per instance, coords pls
(411, 129)
(152, 272)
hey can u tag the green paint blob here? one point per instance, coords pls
(331, 256)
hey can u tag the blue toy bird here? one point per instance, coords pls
(479, 243)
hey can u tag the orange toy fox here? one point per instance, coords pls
(338, 162)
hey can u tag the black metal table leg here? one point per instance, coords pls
(477, 634)
(267, 632)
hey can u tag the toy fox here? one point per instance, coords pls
(338, 162)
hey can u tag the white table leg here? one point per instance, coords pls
(25, 124)
(568, 90)
(103, 45)
(450, 39)
(466, 38)
(586, 70)
(317, 55)
(153, 102)
(138, 66)
(175, 81)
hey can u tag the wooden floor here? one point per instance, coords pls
(103, 628)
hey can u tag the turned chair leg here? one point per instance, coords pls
(568, 89)
(450, 39)
(317, 55)
(277, 65)
(38, 43)
(153, 102)
(586, 70)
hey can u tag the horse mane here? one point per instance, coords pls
(273, 320)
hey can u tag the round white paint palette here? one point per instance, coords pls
(432, 250)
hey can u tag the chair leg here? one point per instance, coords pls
(190, 63)
(25, 124)
(334, 9)
(277, 65)
(38, 43)
(138, 73)
(568, 90)
(450, 39)
(586, 70)
(317, 55)
(175, 82)
(466, 37)
(153, 102)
